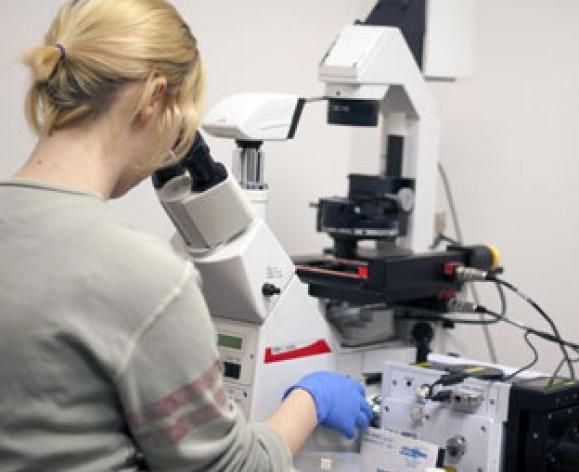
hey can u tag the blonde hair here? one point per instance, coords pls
(96, 47)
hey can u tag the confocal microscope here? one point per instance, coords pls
(372, 296)
(279, 318)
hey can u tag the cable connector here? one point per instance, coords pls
(470, 274)
(459, 272)
(457, 305)
(443, 396)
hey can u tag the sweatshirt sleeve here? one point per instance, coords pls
(171, 388)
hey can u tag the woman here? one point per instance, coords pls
(108, 359)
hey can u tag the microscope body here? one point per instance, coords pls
(271, 330)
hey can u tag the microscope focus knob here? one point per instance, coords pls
(404, 199)
(270, 290)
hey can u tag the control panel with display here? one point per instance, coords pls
(237, 344)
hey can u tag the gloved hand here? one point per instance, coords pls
(340, 402)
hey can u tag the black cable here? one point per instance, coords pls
(452, 379)
(531, 364)
(541, 334)
(456, 378)
(545, 316)
(503, 299)
(560, 366)
(558, 369)
(463, 321)
(459, 236)
(446, 381)
(479, 322)
(482, 322)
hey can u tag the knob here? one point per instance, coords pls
(404, 199)
(456, 447)
(269, 290)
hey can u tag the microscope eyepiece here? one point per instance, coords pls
(205, 172)
(163, 176)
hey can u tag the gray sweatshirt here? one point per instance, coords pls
(108, 359)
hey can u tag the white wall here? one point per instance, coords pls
(510, 134)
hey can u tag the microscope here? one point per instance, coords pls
(372, 296)
(277, 318)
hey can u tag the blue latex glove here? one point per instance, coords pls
(340, 402)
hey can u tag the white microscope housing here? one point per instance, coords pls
(270, 331)
(255, 117)
(369, 73)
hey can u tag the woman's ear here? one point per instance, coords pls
(154, 101)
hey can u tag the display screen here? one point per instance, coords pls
(230, 342)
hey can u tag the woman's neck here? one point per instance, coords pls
(78, 159)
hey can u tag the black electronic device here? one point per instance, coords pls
(400, 278)
(543, 426)
(377, 208)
